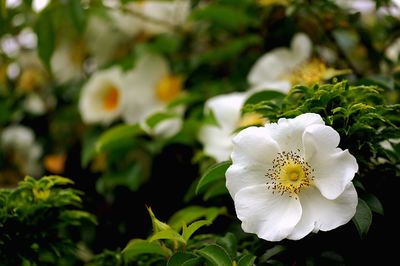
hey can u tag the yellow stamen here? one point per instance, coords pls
(168, 88)
(31, 79)
(111, 98)
(251, 119)
(289, 174)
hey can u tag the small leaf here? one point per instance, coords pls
(374, 203)
(44, 29)
(139, 246)
(213, 174)
(229, 243)
(117, 134)
(192, 228)
(216, 255)
(246, 260)
(179, 258)
(156, 118)
(363, 218)
(193, 213)
(215, 189)
(168, 234)
(272, 252)
(264, 96)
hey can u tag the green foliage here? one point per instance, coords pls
(212, 183)
(363, 218)
(35, 220)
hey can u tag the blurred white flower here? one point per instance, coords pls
(34, 104)
(289, 178)
(67, 61)
(101, 99)
(19, 143)
(393, 51)
(283, 67)
(226, 111)
(150, 87)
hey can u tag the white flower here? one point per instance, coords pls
(150, 87)
(226, 108)
(67, 61)
(162, 15)
(277, 64)
(217, 139)
(289, 178)
(393, 51)
(101, 99)
(19, 142)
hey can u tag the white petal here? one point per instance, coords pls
(226, 109)
(271, 216)
(166, 128)
(271, 66)
(288, 132)
(253, 145)
(242, 176)
(301, 47)
(280, 86)
(217, 142)
(334, 168)
(320, 213)
(140, 88)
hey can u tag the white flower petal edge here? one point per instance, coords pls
(271, 216)
(334, 168)
(323, 214)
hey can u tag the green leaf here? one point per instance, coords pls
(363, 218)
(213, 174)
(216, 189)
(44, 29)
(192, 213)
(272, 252)
(117, 135)
(156, 118)
(192, 228)
(229, 243)
(183, 258)
(264, 96)
(77, 14)
(168, 234)
(88, 149)
(374, 203)
(246, 260)
(139, 246)
(216, 255)
(227, 17)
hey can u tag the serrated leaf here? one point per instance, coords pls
(187, 232)
(246, 260)
(213, 174)
(117, 134)
(169, 234)
(216, 255)
(374, 203)
(363, 218)
(193, 213)
(44, 29)
(139, 246)
(181, 258)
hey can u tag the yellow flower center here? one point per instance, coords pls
(168, 88)
(78, 53)
(55, 163)
(308, 73)
(251, 119)
(111, 98)
(30, 80)
(289, 174)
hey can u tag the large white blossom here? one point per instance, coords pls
(101, 99)
(150, 87)
(289, 178)
(19, 142)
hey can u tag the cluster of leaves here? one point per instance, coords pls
(37, 221)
